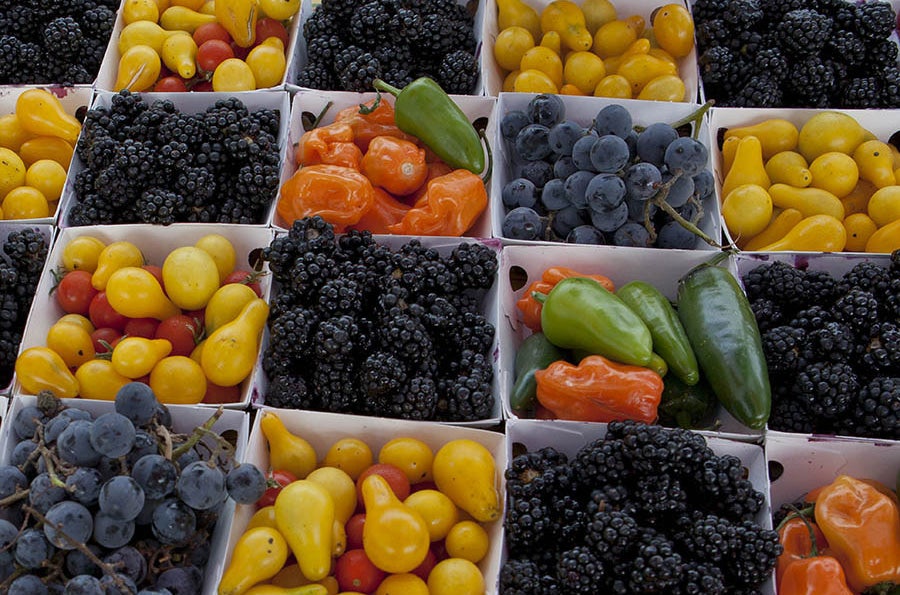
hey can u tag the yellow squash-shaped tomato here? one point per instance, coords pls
(41, 368)
(287, 451)
(134, 357)
(225, 305)
(274, 590)
(112, 258)
(258, 556)
(465, 471)
(395, 536)
(42, 114)
(72, 342)
(239, 19)
(98, 379)
(304, 512)
(134, 292)
(230, 352)
(190, 276)
(222, 252)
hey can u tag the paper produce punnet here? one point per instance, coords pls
(493, 74)
(568, 437)
(189, 103)
(155, 242)
(489, 310)
(72, 99)
(322, 430)
(878, 122)
(184, 420)
(308, 105)
(583, 110)
(522, 265)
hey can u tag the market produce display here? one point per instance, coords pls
(146, 161)
(831, 180)
(798, 54)
(54, 42)
(350, 44)
(832, 346)
(642, 510)
(360, 327)
(604, 182)
(234, 45)
(593, 50)
(117, 500)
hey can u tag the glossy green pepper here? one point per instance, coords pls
(723, 332)
(535, 353)
(669, 339)
(686, 406)
(581, 314)
(425, 111)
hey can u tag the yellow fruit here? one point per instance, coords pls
(615, 86)
(515, 13)
(876, 163)
(509, 82)
(597, 13)
(25, 202)
(436, 509)
(190, 277)
(455, 576)
(553, 41)
(747, 210)
(139, 10)
(468, 540)
(570, 89)
(222, 252)
(544, 60)
(351, 455)
(402, 584)
(886, 239)
(82, 253)
(48, 176)
(465, 471)
(534, 81)
(788, 167)
(774, 135)
(411, 455)
(267, 62)
(511, 45)
(179, 380)
(819, 233)
(566, 18)
(835, 172)
(233, 75)
(12, 171)
(667, 87)
(341, 487)
(673, 29)
(640, 69)
(858, 199)
(584, 70)
(860, 228)
(809, 201)
(884, 205)
(613, 38)
(829, 131)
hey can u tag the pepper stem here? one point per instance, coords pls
(486, 178)
(381, 85)
(539, 297)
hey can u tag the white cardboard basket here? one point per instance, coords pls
(155, 242)
(583, 110)
(324, 429)
(184, 419)
(314, 102)
(621, 265)
(189, 103)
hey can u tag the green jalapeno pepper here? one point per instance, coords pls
(722, 330)
(686, 406)
(581, 314)
(425, 111)
(669, 339)
(535, 353)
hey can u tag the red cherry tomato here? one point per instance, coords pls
(248, 278)
(102, 314)
(75, 292)
(354, 529)
(276, 480)
(202, 86)
(355, 572)
(267, 27)
(424, 569)
(208, 31)
(239, 52)
(156, 272)
(141, 327)
(107, 335)
(199, 316)
(170, 84)
(394, 475)
(212, 53)
(222, 394)
(181, 331)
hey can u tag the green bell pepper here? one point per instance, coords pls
(535, 353)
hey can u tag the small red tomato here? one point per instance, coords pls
(181, 331)
(424, 569)
(275, 480)
(394, 475)
(208, 31)
(222, 394)
(170, 84)
(212, 53)
(105, 339)
(102, 314)
(248, 278)
(355, 572)
(202, 86)
(239, 52)
(267, 27)
(354, 529)
(156, 272)
(75, 292)
(199, 316)
(141, 327)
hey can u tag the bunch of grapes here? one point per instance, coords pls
(116, 503)
(607, 183)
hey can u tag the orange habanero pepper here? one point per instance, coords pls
(436, 169)
(340, 195)
(794, 536)
(385, 211)
(454, 202)
(331, 145)
(600, 390)
(395, 164)
(367, 126)
(531, 308)
(815, 575)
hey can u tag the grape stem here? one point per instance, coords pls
(13, 498)
(659, 199)
(694, 119)
(196, 435)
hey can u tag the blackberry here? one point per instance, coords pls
(381, 374)
(159, 206)
(721, 68)
(475, 333)
(27, 250)
(611, 534)
(768, 314)
(541, 473)
(890, 304)
(877, 411)
(655, 450)
(866, 276)
(406, 25)
(289, 392)
(704, 10)
(721, 480)
(859, 310)
(359, 74)
(316, 75)
(881, 55)
(437, 36)
(9, 312)
(708, 538)
(701, 578)
(333, 339)
(526, 523)
(196, 184)
(890, 87)
(763, 90)
(335, 386)
(791, 414)
(754, 551)
(63, 37)
(321, 22)
(467, 395)
(782, 346)
(860, 92)
(417, 400)
(9, 347)
(524, 577)
(881, 354)
(569, 520)
(833, 342)
(97, 23)
(779, 282)
(275, 363)
(371, 23)
(826, 388)
(661, 495)
(771, 61)
(811, 318)
(290, 333)
(313, 234)
(458, 72)
(579, 571)
(475, 264)
(803, 32)
(819, 287)
(612, 498)
(656, 566)
(848, 47)
(776, 9)
(601, 462)
(876, 20)
(811, 81)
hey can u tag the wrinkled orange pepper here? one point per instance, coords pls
(378, 122)
(395, 164)
(385, 211)
(531, 308)
(862, 526)
(331, 145)
(436, 169)
(340, 195)
(455, 201)
(814, 575)
(599, 390)
(793, 534)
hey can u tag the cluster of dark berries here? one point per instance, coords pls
(54, 41)
(356, 327)
(151, 163)
(645, 509)
(350, 43)
(602, 184)
(20, 270)
(798, 53)
(113, 503)
(832, 346)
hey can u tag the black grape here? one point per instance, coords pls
(72, 519)
(245, 484)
